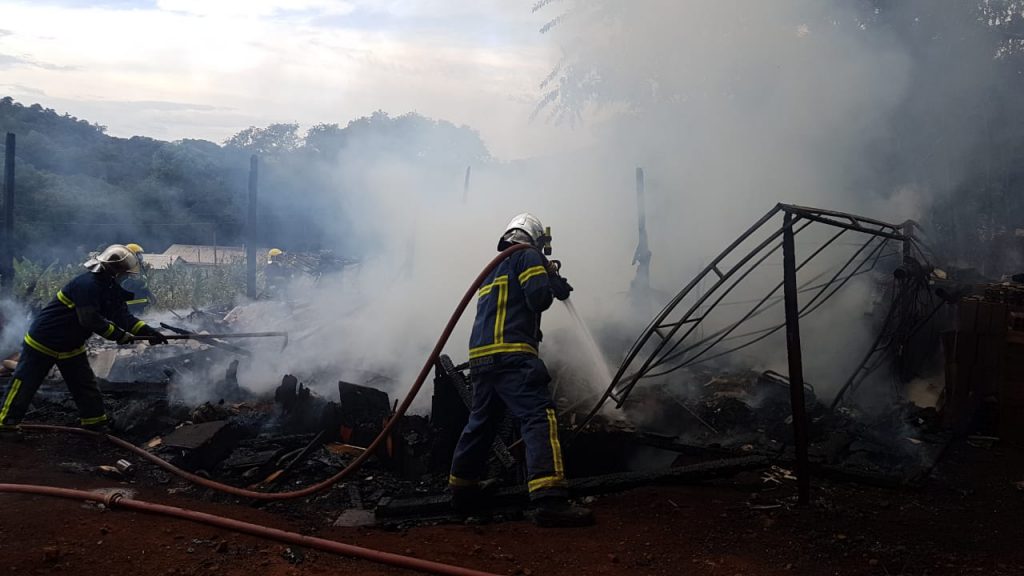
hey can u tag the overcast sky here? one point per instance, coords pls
(174, 69)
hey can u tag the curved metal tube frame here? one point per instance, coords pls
(668, 335)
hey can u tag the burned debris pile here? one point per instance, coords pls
(696, 417)
(704, 415)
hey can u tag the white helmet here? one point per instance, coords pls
(117, 259)
(525, 228)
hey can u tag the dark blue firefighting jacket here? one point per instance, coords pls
(141, 296)
(509, 305)
(57, 330)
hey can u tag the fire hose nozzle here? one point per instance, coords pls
(125, 467)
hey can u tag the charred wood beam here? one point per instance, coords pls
(641, 285)
(517, 495)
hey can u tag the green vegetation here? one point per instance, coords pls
(79, 189)
(176, 288)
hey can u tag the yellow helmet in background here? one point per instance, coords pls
(273, 254)
(137, 250)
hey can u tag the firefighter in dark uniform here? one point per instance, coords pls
(507, 373)
(277, 273)
(141, 296)
(92, 303)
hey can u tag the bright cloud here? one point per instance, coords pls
(263, 61)
(254, 7)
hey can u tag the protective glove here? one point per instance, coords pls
(560, 287)
(152, 335)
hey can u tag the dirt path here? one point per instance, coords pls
(968, 520)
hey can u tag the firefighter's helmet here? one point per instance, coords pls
(138, 251)
(525, 228)
(116, 259)
(273, 254)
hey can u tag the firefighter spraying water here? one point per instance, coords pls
(508, 374)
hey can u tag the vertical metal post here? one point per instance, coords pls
(465, 185)
(251, 231)
(907, 230)
(7, 253)
(796, 368)
(641, 285)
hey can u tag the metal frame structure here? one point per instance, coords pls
(671, 341)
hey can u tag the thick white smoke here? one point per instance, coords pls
(730, 107)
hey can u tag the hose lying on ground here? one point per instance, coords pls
(118, 500)
(355, 464)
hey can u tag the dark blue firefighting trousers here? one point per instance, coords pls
(33, 368)
(518, 383)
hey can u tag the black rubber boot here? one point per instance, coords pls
(559, 513)
(469, 499)
(10, 432)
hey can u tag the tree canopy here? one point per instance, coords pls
(78, 188)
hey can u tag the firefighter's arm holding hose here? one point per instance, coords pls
(560, 287)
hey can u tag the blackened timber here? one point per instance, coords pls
(7, 253)
(210, 341)
(796, 370)
(251, 231)
(908, 241)
(604, 484)
(641, 285)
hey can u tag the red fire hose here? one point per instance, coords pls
(355, 464)
(117, 500)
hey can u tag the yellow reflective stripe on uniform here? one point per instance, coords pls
(110, 330)
(15, 386)
(530, 273)
(501, 349)
(65, 300)
(556, 446)
(139, 301)
(499, 319)
(454, 480)
(501, 282)
(138, 326)
(546, 482)
(40, 347)
(94, 420)
(556, 480)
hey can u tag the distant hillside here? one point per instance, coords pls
(79, 188)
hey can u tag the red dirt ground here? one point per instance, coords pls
(968, 520)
